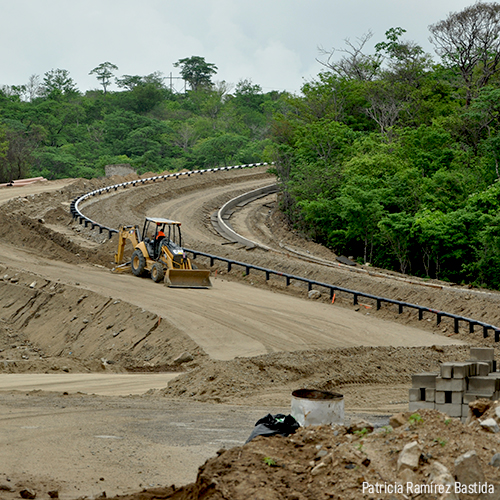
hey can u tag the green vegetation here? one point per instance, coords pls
(440, 441)
(415, 419)
(49, 128)
(393, 158)
(270, 461)
(390, 157)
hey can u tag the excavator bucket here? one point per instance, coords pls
(188, 278)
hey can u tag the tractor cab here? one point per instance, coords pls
(158, 232)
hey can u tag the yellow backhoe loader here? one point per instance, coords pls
(159, 251)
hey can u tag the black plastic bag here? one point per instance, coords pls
(270, 425)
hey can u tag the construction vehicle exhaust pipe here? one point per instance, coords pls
(188, 278)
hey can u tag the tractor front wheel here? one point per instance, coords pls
(138, 263)
(157, 273)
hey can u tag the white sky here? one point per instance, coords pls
(273, 42)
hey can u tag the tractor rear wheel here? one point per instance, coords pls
(138, 263)
(157, 273)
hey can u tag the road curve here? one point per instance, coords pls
(232, 319)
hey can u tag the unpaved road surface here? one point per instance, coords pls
(83, 446)
(244, 342)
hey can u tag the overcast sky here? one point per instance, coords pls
(272, 42)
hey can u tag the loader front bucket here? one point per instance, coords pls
(188, 278)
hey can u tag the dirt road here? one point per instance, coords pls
(82, 445)
(251, 342)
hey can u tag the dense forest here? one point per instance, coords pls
(49, 128)
(390, 155)
(393, 157)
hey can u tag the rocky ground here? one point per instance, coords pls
(423, 455)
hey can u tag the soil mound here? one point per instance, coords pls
(422, 455)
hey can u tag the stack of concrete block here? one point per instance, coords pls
(457, 384)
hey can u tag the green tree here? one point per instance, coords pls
(361, 209)
(396, 229)
(407, 61)
(196, 71)
(56, 83)
(104, 74)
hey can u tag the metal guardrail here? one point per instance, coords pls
(76, 214)
(225, 230)
(82, 219)
(356, 294)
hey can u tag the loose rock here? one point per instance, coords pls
(468, 469)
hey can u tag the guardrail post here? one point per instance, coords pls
(309, 286)
(76, 214)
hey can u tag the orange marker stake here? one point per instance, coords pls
(333, 298)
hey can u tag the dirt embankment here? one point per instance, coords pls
(47, 326)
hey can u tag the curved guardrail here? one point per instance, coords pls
(224, 213)
(77, 214)
(82, 219)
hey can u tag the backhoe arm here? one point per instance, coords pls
(126, 233)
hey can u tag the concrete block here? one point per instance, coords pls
(477, 368)
(427, 380)
(430, 395)
(473, 396)
(465, 410)
(483, 369)
(450, 409)
(414, 395)
(482, 353)
(420, 405)
(455, 385)
(446, 370)
(462, 370)
(448, 397)
(440, 397)
(483, 384)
